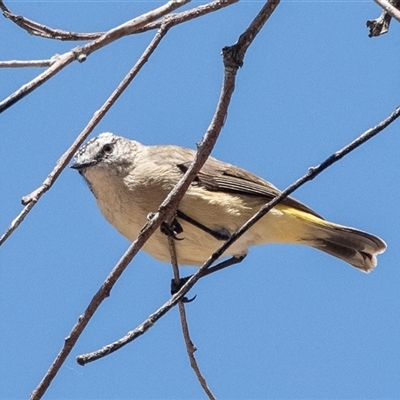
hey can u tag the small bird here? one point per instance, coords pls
(130, 180)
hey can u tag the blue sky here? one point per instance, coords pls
(289, 322)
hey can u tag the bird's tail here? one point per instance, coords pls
(356, 247)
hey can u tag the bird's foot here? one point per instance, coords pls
(173, 229)
(176, 287)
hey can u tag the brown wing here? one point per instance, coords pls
(218, 176)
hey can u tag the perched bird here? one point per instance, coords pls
(130, 181)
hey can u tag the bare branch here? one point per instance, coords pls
(97, 299)
(28, 63)
(130, 27)
(190, 347)
(236, 52)
(24, 90)
(36, 29)
(3, 7)
(186, 16)
(126, 28)
(312, 173)
(104, 291)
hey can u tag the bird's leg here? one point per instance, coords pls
(175, 228)
(175, 287)
(215, 234)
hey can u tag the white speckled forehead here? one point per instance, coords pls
(93, 144)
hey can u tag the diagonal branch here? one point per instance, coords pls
(188, 15)
(190, 347)
(30, 200)
(236, 52)
(36, 29)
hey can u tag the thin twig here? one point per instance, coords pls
(174, 260)
(82, 52)
(311, 174)
(188, 15)
(236, 52)
(36, 29)
(3, 7)
(190, 347)
(61, 62)
(29, 63)
(171, 202)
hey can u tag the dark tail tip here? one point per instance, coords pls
(362, 260)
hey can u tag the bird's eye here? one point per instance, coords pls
(107, 149)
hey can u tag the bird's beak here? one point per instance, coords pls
(82, 165)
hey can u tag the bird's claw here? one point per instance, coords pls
(176, 286)
(172, 230)
(186, 300)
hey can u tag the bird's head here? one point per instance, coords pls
(106, 154)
